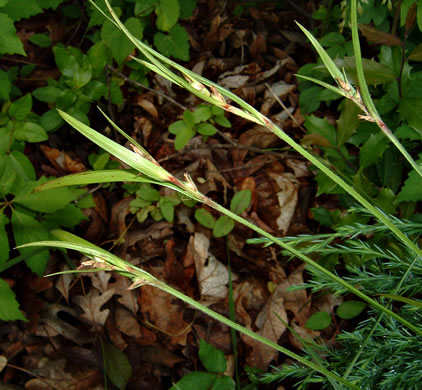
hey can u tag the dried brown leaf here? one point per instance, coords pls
(91, 304)
(379, 37)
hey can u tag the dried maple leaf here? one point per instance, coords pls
(164, 314)
(91, 305)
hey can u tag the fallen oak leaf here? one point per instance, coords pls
(91, 305)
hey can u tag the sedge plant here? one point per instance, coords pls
(145, 169)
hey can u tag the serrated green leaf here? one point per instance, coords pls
(41, 40)
(10, 42)
(174, 44)
(27, 229)
(145, 7)
(21, 107)
(9, 308)
(318, 321)
(116, 365)
(350, 309)
(21, 9)
(67, 217)
(322, 127)
(223, 226)
(372, 149)
(25, 171)
(30, 132)
(212, 358)
(332, 39)
(197, 380)
(241, 201)
(47, 201)
(410, 111)
(117, 42)
(167, 14)
(5, 86)
(206, 129)
(4, 240)
(411, 190)
(205, 218)
(348, 121)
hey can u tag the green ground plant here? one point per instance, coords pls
(380, 308)
(215, 364)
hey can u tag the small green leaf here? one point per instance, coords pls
(318, 321)
(116, 365)
(10, 42)
(27, 229)
(21, 107)
(205, 218)
(167, 14)
(30, 132)
(212, 358)
(177, 127)
(224, 383)
(202, 114)
(189, 118)
(167, 211)
(94, 90)
(47, 94)
(241, 201)
(51, 120)
(222, 121)
(350, 309)
(146, 192)
(117, 42)
(9, 308)
(25, 171)
(174, 44)
(41, 40)
(332, 39)
(66, 62)
(197, 380)
(183, 138)
(223, 226)
(206, 129)
(82, 77)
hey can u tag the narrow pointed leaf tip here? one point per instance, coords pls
(134, 160)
